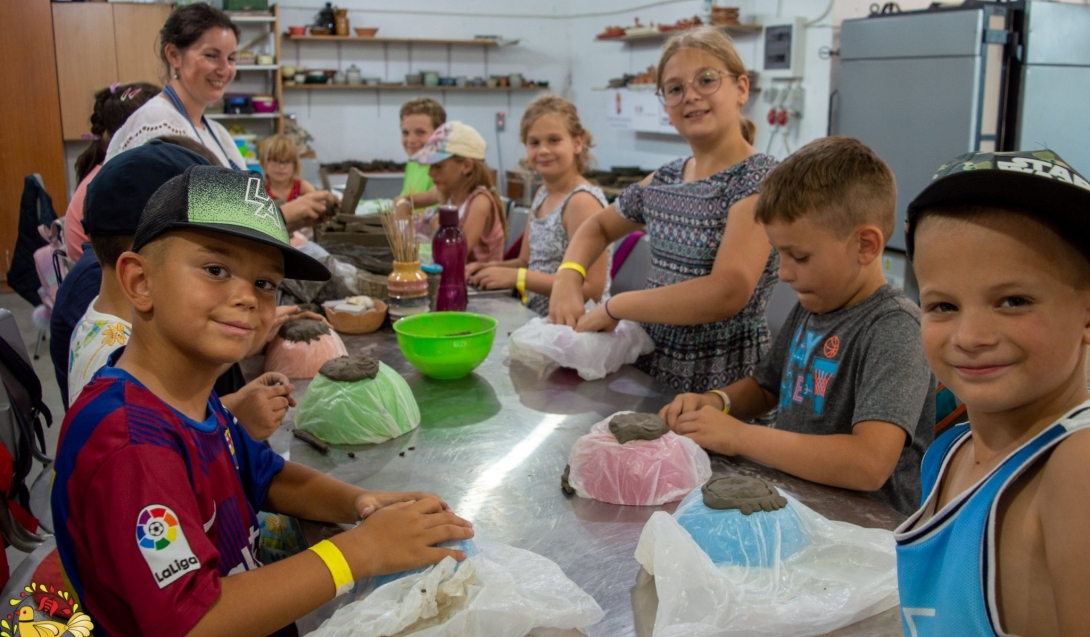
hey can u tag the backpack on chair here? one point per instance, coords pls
(22, 437)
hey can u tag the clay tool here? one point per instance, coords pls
(311, 440)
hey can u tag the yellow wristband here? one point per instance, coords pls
(521, 285)
(337, 565)
(572, 265)
(722, 394)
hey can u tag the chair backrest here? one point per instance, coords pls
(516, 225)
(779, 307)
(632, 273)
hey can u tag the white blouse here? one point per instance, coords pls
(159, 118)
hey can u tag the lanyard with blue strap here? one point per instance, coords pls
(177, 102)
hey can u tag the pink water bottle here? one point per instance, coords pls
(448, 249)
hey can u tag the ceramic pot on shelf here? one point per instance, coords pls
(352, 75)
(340, 21)
(407, 281)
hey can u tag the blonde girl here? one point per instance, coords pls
(712, 269)
(455, 153)
(558, 149)
(279, 157)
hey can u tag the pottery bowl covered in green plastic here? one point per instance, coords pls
(446, 345)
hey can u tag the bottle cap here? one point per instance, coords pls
(448, 216)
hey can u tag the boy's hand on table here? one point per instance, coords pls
(493, 278)
(597, 320)
(261, 404)
(402, 536)
(686, 403)
(370, 501)
(711, 429)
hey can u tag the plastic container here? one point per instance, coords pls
(448, 249)
(446, 345)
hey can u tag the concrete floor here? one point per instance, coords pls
(51, 394)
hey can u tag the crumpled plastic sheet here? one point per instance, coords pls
(639, 473)
(593, 355)
(500, 592)
(303, 360)
(779, 583)
(366, 411)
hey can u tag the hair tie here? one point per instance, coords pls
(88, 136)
(113, 87)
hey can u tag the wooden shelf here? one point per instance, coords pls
(353, 38)
(732, 29)
(402, 87)
(257, 67)
(249, 18)
(242, 115)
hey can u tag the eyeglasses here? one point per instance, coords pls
(705, 82)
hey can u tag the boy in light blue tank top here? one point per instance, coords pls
(1000, 243)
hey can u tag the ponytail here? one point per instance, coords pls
(749, 130)
(113, 105)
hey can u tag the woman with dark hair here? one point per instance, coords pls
(113, 106)
(197, 45)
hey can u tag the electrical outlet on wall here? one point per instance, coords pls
(501, 121)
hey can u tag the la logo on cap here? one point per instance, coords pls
(256, 195)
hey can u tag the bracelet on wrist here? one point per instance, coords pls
(572, 265)
(723, 395)
(608, 313)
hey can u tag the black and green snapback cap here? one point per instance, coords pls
(227, 201)
(1037, 182)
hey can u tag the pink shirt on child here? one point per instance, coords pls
(74, 234)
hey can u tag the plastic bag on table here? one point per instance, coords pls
(593, 354)
(500, 592)
(789, 573)
(638, 473)
(302, 360)
(361, 412)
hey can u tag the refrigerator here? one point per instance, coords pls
(921, 87)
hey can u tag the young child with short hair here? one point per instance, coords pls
(420, 117)
(156, 484)
(279, 157)
(558, 149)
(455, 155)
(1001, 247)
(712, 270)
(847, 371)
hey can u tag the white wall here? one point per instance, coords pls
(364, 124)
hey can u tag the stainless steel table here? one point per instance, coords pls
(494, 444)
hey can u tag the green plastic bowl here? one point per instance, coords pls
(446, 345)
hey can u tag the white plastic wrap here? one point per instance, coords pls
(638, 473)
(593, 354)
(500, 592)
(835, 574)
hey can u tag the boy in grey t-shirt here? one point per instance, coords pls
(855, 395)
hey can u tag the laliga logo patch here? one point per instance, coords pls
(266, 209)
(1043, 168)
(42, 611)
(163, 544)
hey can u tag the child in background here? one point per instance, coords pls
(558, 149)
(113, 106)
(455, 157)
(279, 159)
(856, 399)
(419, 118)
(712, 269)
(1001, 247)
(156, 485)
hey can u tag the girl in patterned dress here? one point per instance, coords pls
(712, 269)
(558, 149)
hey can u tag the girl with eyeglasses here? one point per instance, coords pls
(712, 268)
